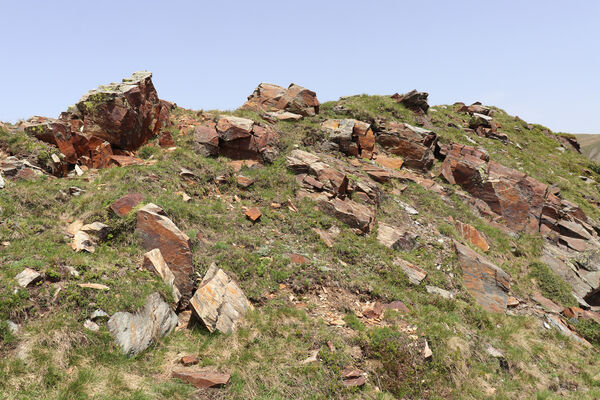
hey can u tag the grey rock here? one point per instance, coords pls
(27, 277)
(12, 327)
(588, 260)
(439, 291)
(91, 325)
(2, 184)
(219, 301)
(135, 332)
(98, 314)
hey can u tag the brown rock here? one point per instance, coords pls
(472, 235)
(546, 304)
(244, 182)
(189, 360)
(253, 214)
(203, 379)
(393, 237)
(298, 259)
(165, 139)
(415, 274)
(295, 99)
(353, 137)
(155, 262)
(397, 306)
(125, 204)
(487, 283)
(157, 231)
(206, 140)
(353, 214)
(414, 100)
(353, 377)
(389, 162)
(414, 145)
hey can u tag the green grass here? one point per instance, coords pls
(551, 285)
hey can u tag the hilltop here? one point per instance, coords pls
(371, 247)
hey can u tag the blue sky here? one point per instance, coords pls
(537, 59)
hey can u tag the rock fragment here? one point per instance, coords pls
(415, 274)
(28, 277)
(295, 99)
(203, 379)
(154, 261)
(125, 204)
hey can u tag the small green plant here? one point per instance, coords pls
(148, 151)
(551, 285)
(590, 330)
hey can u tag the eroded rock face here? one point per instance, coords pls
(157, 231)
(415, 145)
(135, 332)
(295, 99)
(219, 302)
(237, 138)
(487, 283)
(354, 138)
(416, 101)
(107, 122)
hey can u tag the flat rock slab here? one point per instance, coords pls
(487, 283)
(219, 301)
(135, 332)
(471, 234)
(27, 277)
(415, 274)
(355, 215)
(157, 231)
(125, 204)
(202, 379)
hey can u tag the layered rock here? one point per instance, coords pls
(353, 137)
(237, 138)
(415, 145)
(157, 231)
(268, 97)
(135, 332)
(355, 215)
(106, 123)
(487, 283)
(416, 101)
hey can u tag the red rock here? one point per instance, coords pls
(125, 204)
(354, 137)
(472, 235)
(206, 140)
(298, 259)
(476, 108)
(397, 306)
(415, 145)
(157, 231)
(353, 377)
(512, 301)
(546, 304)
(165, 139)
(203, 379)
(123, 161)
(189, 360)
(353, 214)
(487, 283)
(253, 214)
(295, 99)
(415, 274)
(244, 182)
(389, 162)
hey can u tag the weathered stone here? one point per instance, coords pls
(472, 235)
(95, 286)
(326, 236)
(219, 302)
(244, 182)
(165, 139)
(389, 162)
(353, 214)
(589, 260)
(206, 140)
(87, 237)
(415, 274)
(135, 332)
(27, 277)
(202, 379)
(353, 377)
(547, 304)
(241, 138)
(125, 204)
(476, 108)
(330, 179)
(487, 283)
(415, 145)
(253, 214)
(157, 231)
(439, 291)
(414, 100)
(295, 99)
(392, 237)
(154, 261)
(352, 136)
(189, 360)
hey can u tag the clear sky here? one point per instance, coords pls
(537, 59)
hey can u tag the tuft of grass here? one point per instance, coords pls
(551, 285)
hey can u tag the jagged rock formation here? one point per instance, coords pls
(268, 97)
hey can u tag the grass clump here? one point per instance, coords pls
(551, 285)
(590, 330)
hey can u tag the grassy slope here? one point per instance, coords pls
(67, 362)
(590, 146)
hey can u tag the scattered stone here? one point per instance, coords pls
(219, 301)
(415, 145)
(391, 237)
(88, 236)
(512, 302)
(298, 259)
(165, 140)
(125, 204)
(253, 214)
(189, 360)
(328, 236)
(397, 305)
(416, 101)
(472, 235)
(157, 231)
(154, 261)
(487, 283)
(202, 379)
(91, 325)
(547, 304)
(27, 277)
(353, 377)
(282, 116)
(356, 215)
(353, 137)
(414, 273)
(312, 358)
(98, 314)
(427, 353)
(556, 322)
(244, 182)
(12, 327)
(493, 351)
(135, 332)
(389, 162)
(295, 99)
(96, 286)
(374, 311)
(439, 291)
(75, 191)
(184, 196)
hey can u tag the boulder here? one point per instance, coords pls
(355, 215)
(87, 237)
(415, 145)
(476, 108)
(353, 137)
(135, 332)
(295, 99)
(416, 101)
(487, 283)
(219, 302)
(157, 231)
(154, 261)
(206, 140)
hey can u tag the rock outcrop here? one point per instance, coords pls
(135, 332)
(487, 283)
(219, 302)
(157, 231)
(106, 124)
(416, 101)
(268, 97)
(415, 145)
(354, 138)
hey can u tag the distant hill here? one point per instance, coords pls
(590, 146)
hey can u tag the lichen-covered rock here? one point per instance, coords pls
(219, 302)
(135, 332)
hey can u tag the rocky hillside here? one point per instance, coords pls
(590, 146)
(374, 247)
